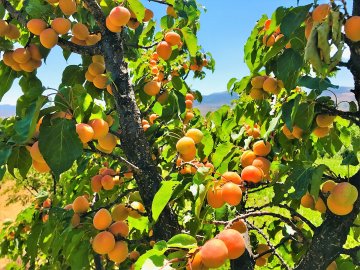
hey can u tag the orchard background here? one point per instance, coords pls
(127, 174)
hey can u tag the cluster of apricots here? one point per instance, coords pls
(228, 244)
(269, 41)
(96, 73)
(9, 30)
(324, 123)
(23, 59)
(264, 86)
(146, 124)
(340, 200)
(98, 129)
(256, 166)
(189, 99)
(252, 131)
(186, 145)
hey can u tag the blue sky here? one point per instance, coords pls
(224, 30)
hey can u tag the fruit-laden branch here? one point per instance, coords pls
(21, 18)
(328, 240)
(133, 141)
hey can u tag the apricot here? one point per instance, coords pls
(96, 185)
(21, 55)
(103, 242)
(152, 88)
(214, 253)
(261, 149)
(119, 16)
(4, 27)
(239, 226)
(80, 31)
(188, 104)
(189, 156)
(36, 26)
(81, 205)
(172, 38)
(260, 261)
(258, 81)
(324, 120)
(170, 11)
(120, 212)
(108, 142)
(338, 209)
(164, 50)
(100, 127)
(258, 94)
(321, 12)
(148, 15)
(35, 153)
(321, 132)
(263, 164)
(119, 228)
(247, 158)
(231, 193)
(352, 28)
(287, 132)
(102, 219)
(214, 197)
(251, 174)
(75, 220)
(261, 248)
(40, 167)
(119, 253)
(107, 182)
(34, 52)
(185, 145)
(271, 85)
(100, 81)
(61, 25)
(85, 132)
(13, 32)
(307, 201)
(195, 134)
(233, 177)
(68, 7)
(328, 186)
(344, 193)
(297, 132)
(48, 38)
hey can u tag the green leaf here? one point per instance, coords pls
(162, 197)
(190, 40)
(19, 159)
(182, 241)
(222, 150)
(294, 19)
(7, 77)
(138, 8)
(59, 144)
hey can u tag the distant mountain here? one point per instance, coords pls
(7, 110)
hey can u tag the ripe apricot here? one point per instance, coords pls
(68, 7)
(271, 85)
(214, 253)
(297, 132)
(324, 120)
(48, 38)
(21, 55)
(80, 31)
(120, 212)
(4, 27)
(338, 209)
(164, 50)
(287, 132)
(107, 182)
(263, 164)
(320, 206)
(307, 201)
(102, 219)
(100, 127)
(148, 15)
(13, 32)
(96, 185)
(247, 158)
(321, 132)
(119, 253)
(214, 197)
(34, 52)
(40, 167)
(251, 174)
(152, 88)
(61, 25)
(119, 16)
(239, 226)
(352, 28)
(258, 81)
(328, 186)
(172, 38)
(103, 242)
(185, 145)
(36, 26)
(261, 149)
(35, 153)
(119, 228)
(321, 12)
(261, 248)
(81, 205)
(108, 142)
(195, 134)
(231, 193)
(258, 94)
(344, 193)
(85, 132)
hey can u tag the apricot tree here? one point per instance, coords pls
(133, 177)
